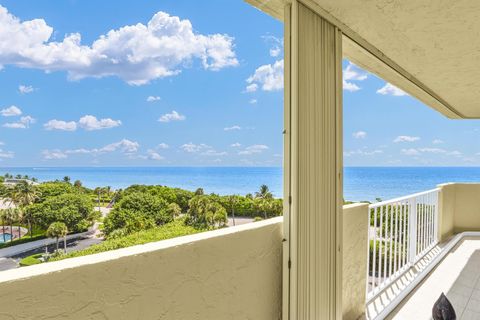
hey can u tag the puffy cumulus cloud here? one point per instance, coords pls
(24, 123)
(11, 111)
(390, 89)
(172, 116)
(153, 98)
(23, 89)
(232, 128)
(87, 122)
(91, 123)
(269, 77)
(359, 135)
(410, 152)
(135, 53)
(352, 73)
(53, 154)
(276, 44)
(253, 149)
(163, 146)
(406, 139)
(235, 145)
(153, 155)
(60, 125)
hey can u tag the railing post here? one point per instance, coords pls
(412, 231)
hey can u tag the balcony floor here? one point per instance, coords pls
(458, 276)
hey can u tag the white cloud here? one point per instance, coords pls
(153, 155)
(359, 135)
(163, 146)
(6, 154)
(213, 153)
(232, 128)
(269, 77)
(432, 150)
(173, 116)
(410, 152)
(253, 149)
(24, 123)
(124, 145)
(193, 148)
(235, 145)
(23, 89)
(276, 45)
(253, 101)
(11, 111)
(349, 86)
(362, 153)
(437, 141)
(454, 153)
(251, 87)
(91, 123)
(60, 125)
(406, 139)
(352, 73)
(153, 98)
(390, 89)
(135, 53)
(53, 154)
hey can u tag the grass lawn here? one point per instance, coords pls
(170, 230)
(37, 234)
(31, 260)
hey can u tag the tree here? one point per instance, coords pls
(204, 212)
(58, 230)
(232, 200)
(199, 192)
(174, 210)
(77, 184)
(3, 218)
(66, 179)
(10, 216)
(264, 192)
(25, 194)
(73, 209)
(137, 211)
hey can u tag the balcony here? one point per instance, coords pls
(236, 273)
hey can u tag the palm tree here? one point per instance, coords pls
(264, 192)
(58, 230)
(24, 195)
(10, 216)
(232, 200)
(66, 179)
(3, 218)
(174, 210)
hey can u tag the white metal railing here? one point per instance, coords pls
(401, 231)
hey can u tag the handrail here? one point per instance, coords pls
(400, 232)
(413, 195)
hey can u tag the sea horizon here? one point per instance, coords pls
(361, 183)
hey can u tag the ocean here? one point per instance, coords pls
(360, 183)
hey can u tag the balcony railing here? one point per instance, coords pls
(401, 231)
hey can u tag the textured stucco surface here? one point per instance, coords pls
(233, 273)
(459, 208)
(434, 43)
(355, 241)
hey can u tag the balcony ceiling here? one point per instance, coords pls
(429, 48)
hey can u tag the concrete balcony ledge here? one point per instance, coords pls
(231, 273)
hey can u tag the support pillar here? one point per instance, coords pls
(313, 165)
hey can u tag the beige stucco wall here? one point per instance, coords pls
(459, 208)
(355, 241)
(233, 273)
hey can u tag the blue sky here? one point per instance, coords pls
(178, 83)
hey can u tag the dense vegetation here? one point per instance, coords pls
(140, 213)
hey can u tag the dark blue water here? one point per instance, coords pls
(361, 183)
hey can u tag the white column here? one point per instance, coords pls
(313, 165)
